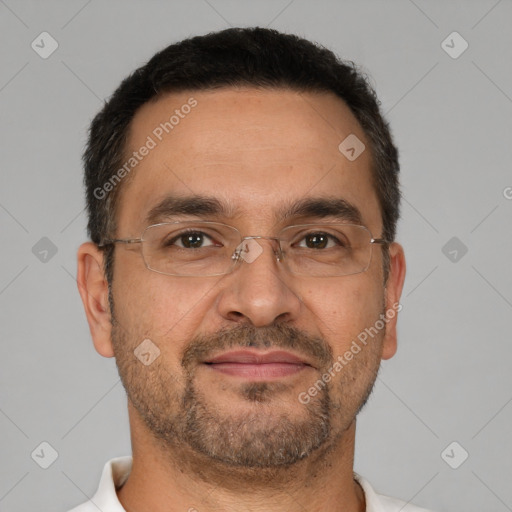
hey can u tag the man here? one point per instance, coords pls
(242, 191)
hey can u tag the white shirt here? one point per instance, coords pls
(116, 471)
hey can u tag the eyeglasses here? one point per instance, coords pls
(201, 249)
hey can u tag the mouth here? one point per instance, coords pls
(258, 366)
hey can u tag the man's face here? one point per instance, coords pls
(256, 152)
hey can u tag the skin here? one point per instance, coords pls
(265, 148)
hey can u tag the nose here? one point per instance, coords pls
(259, 290)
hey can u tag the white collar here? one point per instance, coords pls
(116, 472)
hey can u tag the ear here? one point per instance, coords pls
(393, 292)
(93, 288)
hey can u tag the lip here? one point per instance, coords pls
(257, 357)
(257, 366)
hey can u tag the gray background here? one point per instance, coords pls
(451, 118)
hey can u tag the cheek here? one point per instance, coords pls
(159, 307)
(344, 308)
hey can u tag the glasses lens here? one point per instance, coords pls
(327, 250)
(190, 248)
(207, 249)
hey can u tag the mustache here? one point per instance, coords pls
(280, 336)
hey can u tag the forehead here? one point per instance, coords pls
(254, 150)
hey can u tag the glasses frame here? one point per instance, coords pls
(236, 257)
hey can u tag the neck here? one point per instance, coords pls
(168, 479)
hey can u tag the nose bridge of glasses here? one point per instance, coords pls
(249, 248)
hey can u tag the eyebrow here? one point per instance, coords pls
(205, 206)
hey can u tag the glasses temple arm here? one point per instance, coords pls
(113, 241)
(380, 241)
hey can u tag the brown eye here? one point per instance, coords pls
(190, 240)
(317, 241)
(320, 240)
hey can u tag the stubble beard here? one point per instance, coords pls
(179, 415)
